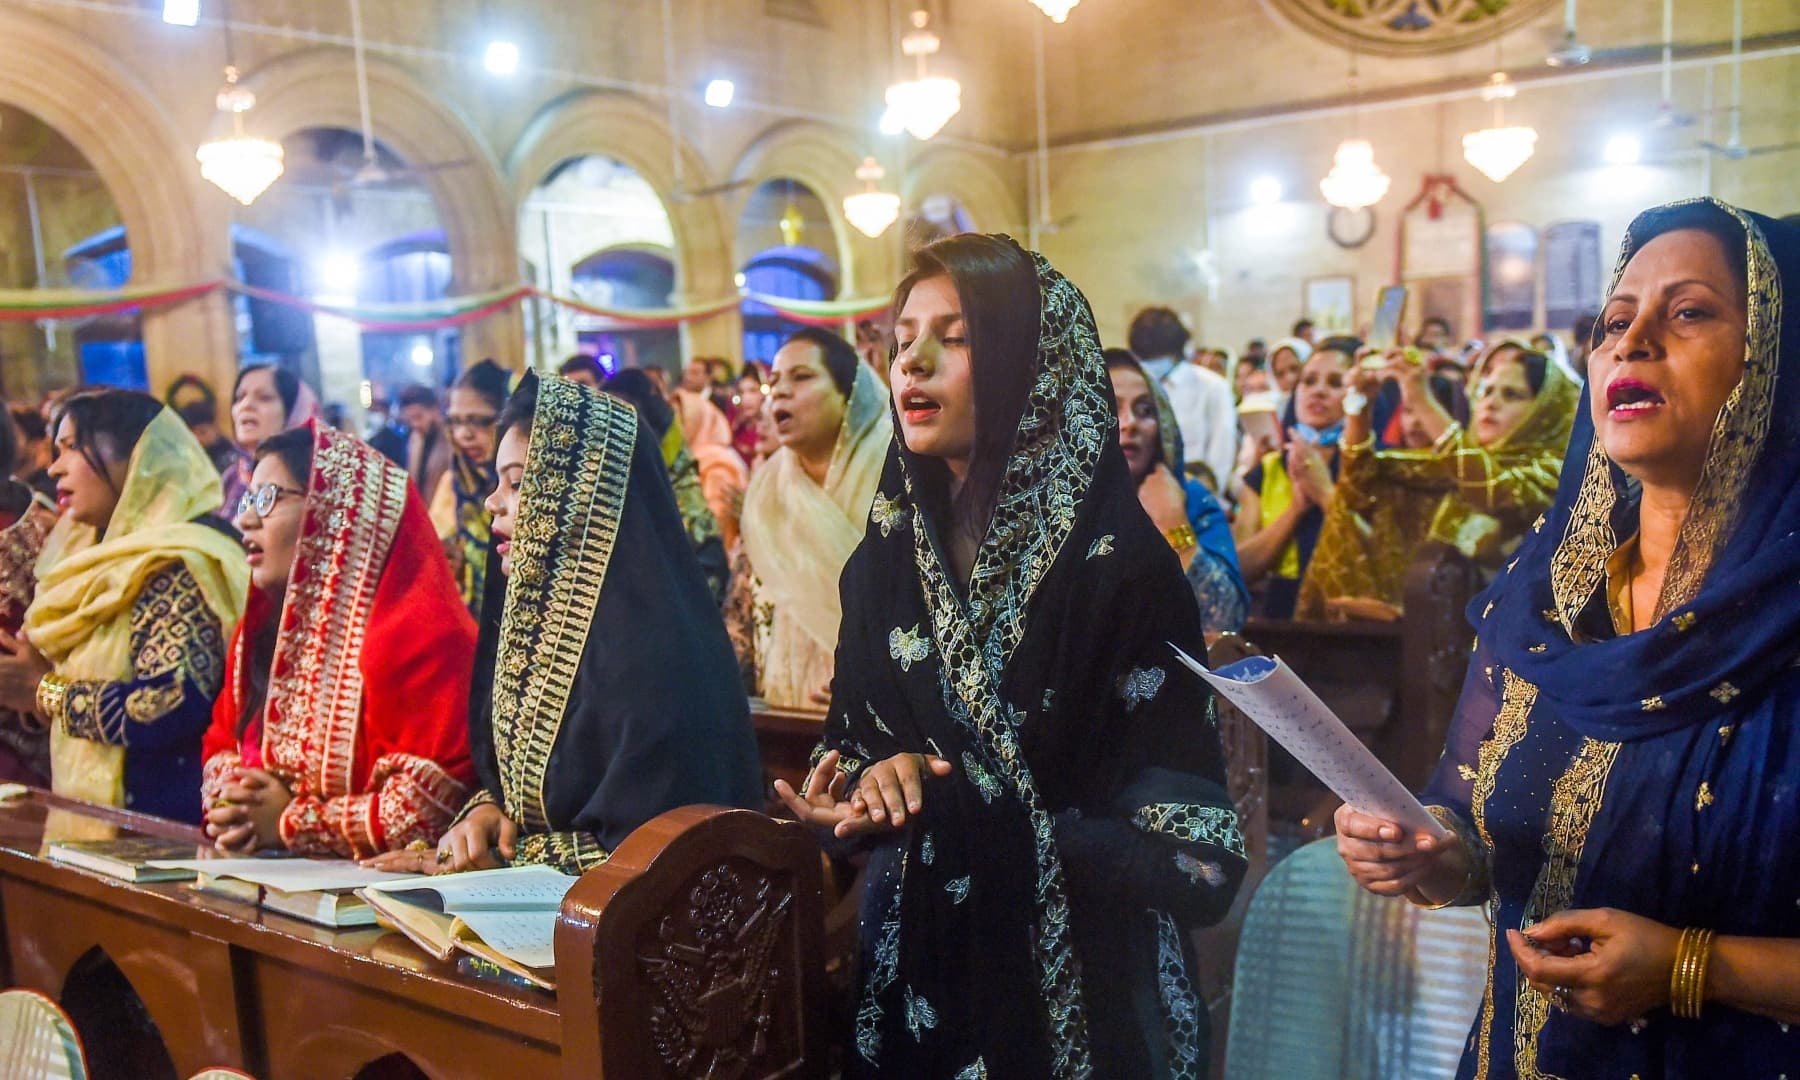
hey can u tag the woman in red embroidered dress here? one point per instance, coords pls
(343, 727)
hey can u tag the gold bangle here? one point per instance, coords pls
(1687, 980)
(1182, 537)
(52, 697)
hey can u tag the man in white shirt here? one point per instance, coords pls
(1205, 409)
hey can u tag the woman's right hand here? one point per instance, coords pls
(1387, 862)
(471, 842)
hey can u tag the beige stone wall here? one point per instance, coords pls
(1212, 84)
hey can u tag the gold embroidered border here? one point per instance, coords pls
(353, 506)
(571, 500)
(1575, 798)
(1516, 700)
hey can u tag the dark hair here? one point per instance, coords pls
(520, 408)
(1587, 324)
(1156, 332)
(1301, 326)
(108, 424)
(838, 355)
(414, 394)
(1347, 344)
(294, 448)
(195, 413)
(190, 381)
(287, 384)
(1535, 363)
(487, 379)
(996, 283)
(583, 362)
(634, 386)
(30, 422)
(9, 450)
(1435, 320)
(1450, 394)
(1116, 358)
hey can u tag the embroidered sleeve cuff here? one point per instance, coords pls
(52, 697)
(305, 830)
(213, 774)
(570, 852)
(86, 717)
(482, 797)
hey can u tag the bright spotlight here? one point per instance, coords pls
(892, 123)
(719, 93)
(337, 274)
(181, 12)
(422, 355)
(501, 58)
(1623, 150)
(1265, 190)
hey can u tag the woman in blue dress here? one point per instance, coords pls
(1622, 781)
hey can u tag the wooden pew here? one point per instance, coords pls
(697, 948)
(1394, 684)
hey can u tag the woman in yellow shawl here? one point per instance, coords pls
(139, 588)
(1476, 489)
(807, 509)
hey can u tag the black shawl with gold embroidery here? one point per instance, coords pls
(1030, 921)
(606, 691)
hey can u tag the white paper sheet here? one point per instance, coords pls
(511, 888)
(526, 936)
(290, 875)
(1274, 698)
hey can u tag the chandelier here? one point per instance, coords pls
(1355, 181)
(924, 104)
(1498, 151)
(871, 210)
(1058, 10)
(240, 165)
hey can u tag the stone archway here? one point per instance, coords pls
(825, 160)
(990, 190)
(627, 128)
(317, 88)
(176, 222)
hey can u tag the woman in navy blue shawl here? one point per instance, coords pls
(1609, 788)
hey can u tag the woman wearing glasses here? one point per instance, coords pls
(457, 513)
(138, 588)
(342, 728)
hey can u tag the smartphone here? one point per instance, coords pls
(1384, 331)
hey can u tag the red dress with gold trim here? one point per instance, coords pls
(367, 719)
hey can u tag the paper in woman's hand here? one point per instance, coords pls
(1273, 697)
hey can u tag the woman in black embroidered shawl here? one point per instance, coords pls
(606, 691)
(1047, 799)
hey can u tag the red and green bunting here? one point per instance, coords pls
(31, 305)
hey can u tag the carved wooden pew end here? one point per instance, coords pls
(696, 950)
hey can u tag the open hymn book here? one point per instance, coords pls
(319, 891)
(506, 917)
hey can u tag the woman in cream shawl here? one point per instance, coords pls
(123, 647)
(1476, 489)
(805, 512)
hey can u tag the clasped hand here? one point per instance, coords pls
(885, 794)
(248, 813)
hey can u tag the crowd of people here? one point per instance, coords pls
(529, 617)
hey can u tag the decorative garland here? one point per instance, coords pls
(31, 305)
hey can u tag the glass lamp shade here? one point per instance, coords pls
(1499, 151)
(925, 105)
(242, 166)
(1355, 181)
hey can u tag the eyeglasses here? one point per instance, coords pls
(473, 423)
(263, 498)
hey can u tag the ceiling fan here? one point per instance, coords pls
(372, 170)
(1733, 148)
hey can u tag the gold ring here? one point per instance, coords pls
(443, 857)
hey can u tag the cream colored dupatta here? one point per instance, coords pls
(798, 536)
(87, 585)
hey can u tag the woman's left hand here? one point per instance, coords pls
(22, 667)
(1310, 473)
(1603, 965)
